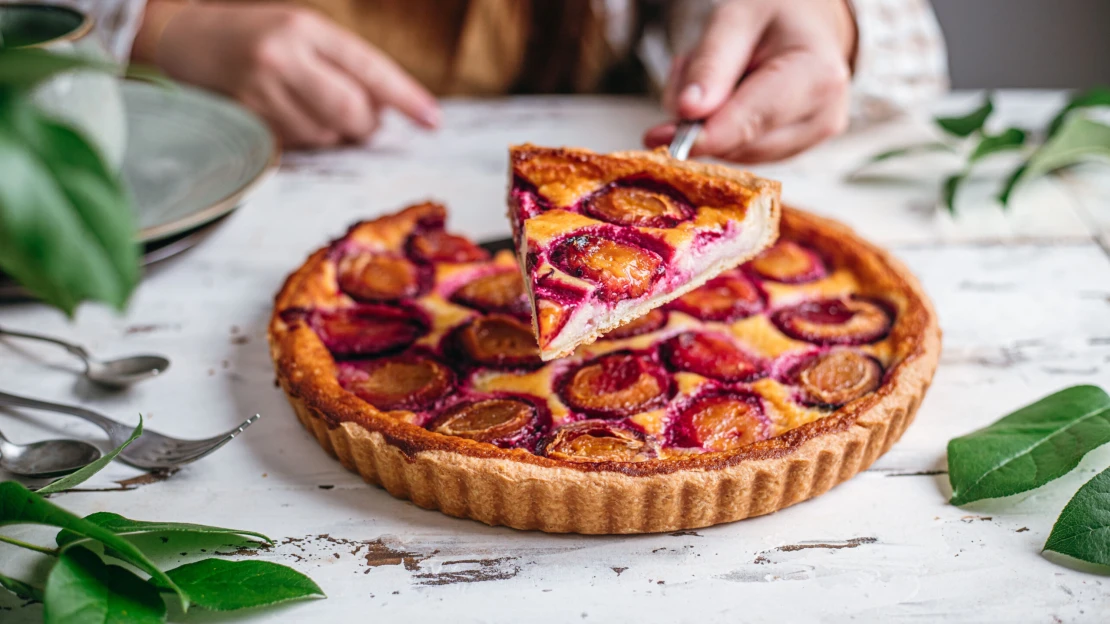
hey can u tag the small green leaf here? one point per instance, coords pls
(18, 505)
(82, 589)
(1030, 447)
(951, 185)
(969, 123)
(230, 585)
(1012, 138)
(123, 526)
(20, 588)
(76, 478)
(1083, 528)
(1098, 96)
(1080, 139)
(25, 67)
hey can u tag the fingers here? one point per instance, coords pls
(721, 58)
(332, 98)
(383, 79)
(674, 79)
(791, 140)
(783, 91)
(284, 113)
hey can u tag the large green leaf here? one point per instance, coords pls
(230, 585)
(967, 124)
(1030, 447)
(1079, 139)
(81, 589)
(66, 230)
(123, 526)
(76, 478)
(18, 505)
(20, 588)
(1098, 96)
(1083, 528)
(23, 68)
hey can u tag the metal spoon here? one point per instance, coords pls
(49, 458)
(113, 373)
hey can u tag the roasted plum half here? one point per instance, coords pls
(499, 341)
(721, 421)
(725, 298)
(713, 356)
(368, 329)
(640, 203)
(653, 320)
(495, 292)
(789, 263)
(411, 382)
(378, 277)
(438, 246)
(599, 441)
(837, 377)
(621, 270)
(851, 321)
(616, 385)
(504, 422)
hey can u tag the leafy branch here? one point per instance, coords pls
(66, 225)
(1069, 140)
(1033, 446)
(82, 585)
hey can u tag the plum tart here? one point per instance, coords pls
(768, 385)
(604, 239)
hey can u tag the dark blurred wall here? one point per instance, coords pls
(1026, 43)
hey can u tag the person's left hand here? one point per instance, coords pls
(791, 59)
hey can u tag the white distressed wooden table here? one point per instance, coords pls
(1024, 301)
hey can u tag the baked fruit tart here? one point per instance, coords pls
(408, 352)
(602, 239)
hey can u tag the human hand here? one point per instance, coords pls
(792, 61)
(314, 82)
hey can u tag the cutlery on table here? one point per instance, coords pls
(115, 373)
(151, 451)
(49, 458)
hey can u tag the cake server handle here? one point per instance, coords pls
(684, 136)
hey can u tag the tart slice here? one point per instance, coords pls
(604, 239)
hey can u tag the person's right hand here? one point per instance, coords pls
(314, 82)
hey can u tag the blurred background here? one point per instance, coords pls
(1026, 43)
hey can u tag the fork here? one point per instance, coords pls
(150, 451)
(684, 136)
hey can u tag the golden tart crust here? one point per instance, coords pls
(521, 489)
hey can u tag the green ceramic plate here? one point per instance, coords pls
(191, 156)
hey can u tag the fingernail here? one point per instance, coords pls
(691, 95)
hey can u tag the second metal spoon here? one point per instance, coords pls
(49, 458)
(115, 373)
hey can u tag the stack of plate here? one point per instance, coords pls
(191, 158)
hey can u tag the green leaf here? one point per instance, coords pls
(1083, 528)
(1098, 96)
(18, 505)
(951, 185)
(969, 123)
(1010, 184)
(1012, 138)
(25, 67)
(230, 585)
(123, 526)
(1030, 447)
(1079, 140)
(21, 589)
(76, 478)
(66, 228)
(82, 589)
